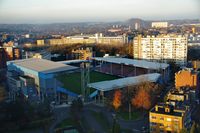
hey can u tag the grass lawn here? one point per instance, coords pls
(66, 123)
(28, 131)
(125, 115)
(72, 81)
(126, 131)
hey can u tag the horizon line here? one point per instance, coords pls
(74, 22)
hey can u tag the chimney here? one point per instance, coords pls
(156, 108)
(194, 65)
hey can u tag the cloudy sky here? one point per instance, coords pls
(49, 11)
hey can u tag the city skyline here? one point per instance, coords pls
(50, 11)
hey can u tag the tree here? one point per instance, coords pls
(173, 69)
(2, 92)
(142, 99)
(192, 130)
(184, 130)
(117, 99)
(195, 128)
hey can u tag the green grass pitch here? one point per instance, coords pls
(72, 81)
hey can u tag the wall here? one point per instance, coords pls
(185, 78)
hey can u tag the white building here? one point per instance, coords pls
(162, 47)
(159, 24)
(97, 38)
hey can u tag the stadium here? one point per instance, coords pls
(89, 79)
(107, 74)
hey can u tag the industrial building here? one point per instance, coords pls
(162, 48)
(35, 73)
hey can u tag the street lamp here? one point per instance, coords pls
(114, 122)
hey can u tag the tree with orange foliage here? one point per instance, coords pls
(142, 99)
(117, 99)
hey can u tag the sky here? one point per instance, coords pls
(51, 11)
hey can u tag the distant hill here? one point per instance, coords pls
(147, 23)
(84, 27)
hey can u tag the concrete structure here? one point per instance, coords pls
(115, 30)
(161, 48)
(196, 64)
(187, 78)
(105, 86)
(124, 82)
(166, 118)
(17, 53)
(159, 24)
(40, 42)
(137, 26)
(185, 95)
(37, 55)
(90, 39)
(176, 95)
(83, 53)
(124, 67)
(21, 86)
(42, 54)
(3, 58)
(42, 71)
(8, 53)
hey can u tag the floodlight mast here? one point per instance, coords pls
(85, 79)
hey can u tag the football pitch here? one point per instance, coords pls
(72, 81)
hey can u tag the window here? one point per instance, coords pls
(153, 124)
(161, 118)
(169, 119)
(176, 120)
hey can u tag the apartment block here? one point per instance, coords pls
(40, 42)
(166, 118)
(162, 48)
(187, 78)
(159, 24)
(184, 95)
(8, 53)
(82, 53)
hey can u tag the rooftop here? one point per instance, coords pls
(136, 63)
(124, 82)
(73, 61)
(42, 65)
(173, 111)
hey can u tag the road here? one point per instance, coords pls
(136, 125)
(91, 121)
(59, 114)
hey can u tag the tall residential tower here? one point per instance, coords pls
(162, 47)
